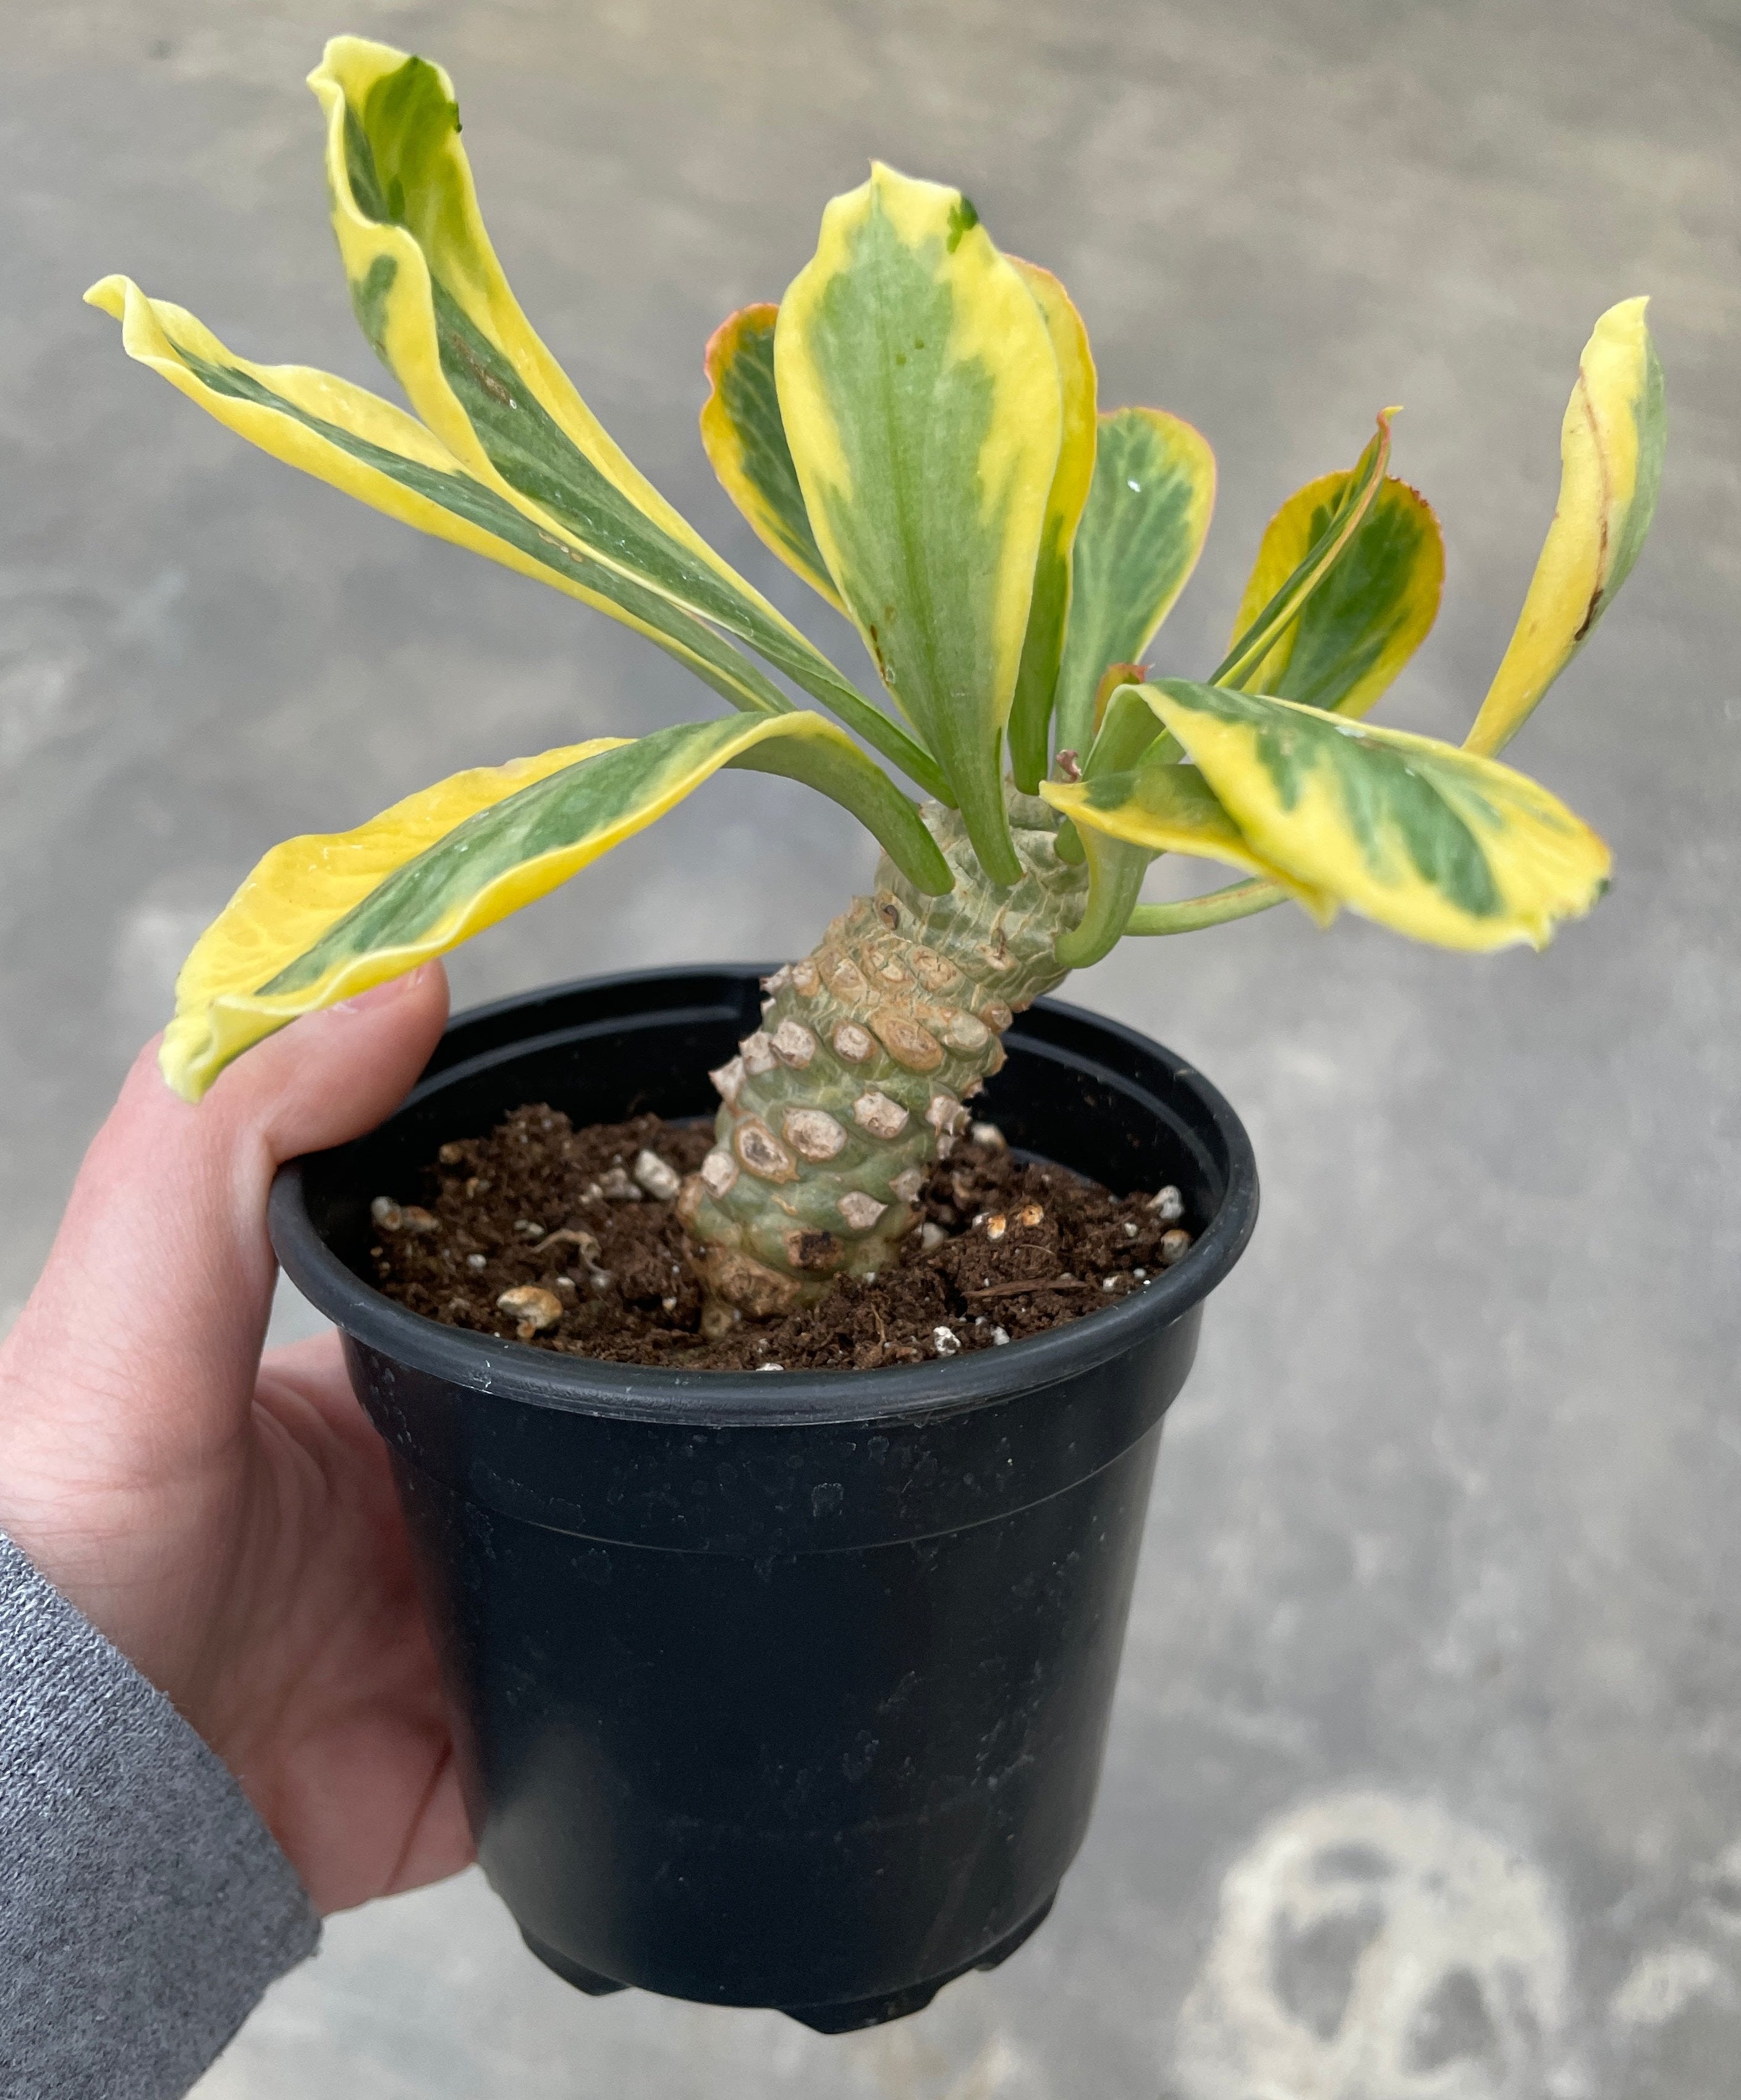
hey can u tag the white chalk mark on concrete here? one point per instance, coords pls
(1665, 1981)
(990, 2074)
(915, 2060)
(1370, 1948)
(1720, 1891)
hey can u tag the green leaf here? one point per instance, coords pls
(1425, 838)
(356, 442)
(322, 919)
(921, 398)
(1255, 637)
(1368, 615)
(1611, 462)
(1048, 612)
(432, 299)
(1141, 532)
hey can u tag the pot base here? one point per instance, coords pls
(847, 2017)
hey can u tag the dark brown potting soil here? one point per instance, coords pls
(567, 1238)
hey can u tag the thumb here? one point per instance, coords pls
(158, 1289)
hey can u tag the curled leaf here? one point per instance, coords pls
(434, 301)
(1611, 462)
(1256, 633)
(1372, 610)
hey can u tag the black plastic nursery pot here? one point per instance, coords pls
(787, 1689)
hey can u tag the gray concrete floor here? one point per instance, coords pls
(1443, 1550)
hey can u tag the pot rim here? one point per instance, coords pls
(519, 1372)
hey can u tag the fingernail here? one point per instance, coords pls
(382, 994)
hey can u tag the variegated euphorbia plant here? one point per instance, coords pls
(914, 429)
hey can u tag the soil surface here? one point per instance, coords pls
(567, 1239)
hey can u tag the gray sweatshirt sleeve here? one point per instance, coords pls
(144, 1906)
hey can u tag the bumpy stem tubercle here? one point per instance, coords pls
(856, 1080)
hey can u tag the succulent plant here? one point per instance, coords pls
(914, 430)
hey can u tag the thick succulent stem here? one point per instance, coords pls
(855, 1081)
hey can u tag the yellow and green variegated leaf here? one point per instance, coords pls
(432, 299)
(921, 398)
(1049, 609)
(1425, 838)
(1142, 530)
(344, 436)
(323, 918)
(746, 441)
(1255, 638)
(1610, 462)
(1172, 808)
(1370, 613)
(301, 891)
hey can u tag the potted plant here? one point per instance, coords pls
(792, 1691)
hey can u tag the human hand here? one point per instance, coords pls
(229, 1523)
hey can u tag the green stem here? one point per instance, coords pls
(1116, 872)
(854, 1083)
(1240, 900)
